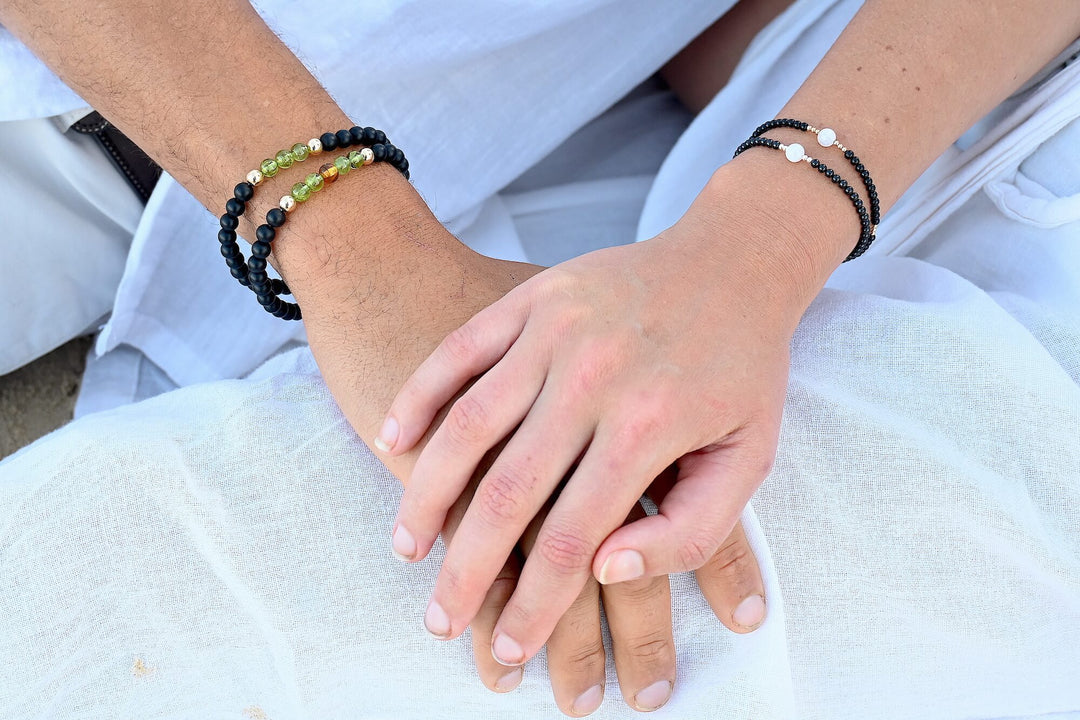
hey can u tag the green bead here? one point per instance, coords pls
(342, 164)
(356, 159)
(284, 159)
(300, 152)
(300, 192)
(314, 181)
(268, 167)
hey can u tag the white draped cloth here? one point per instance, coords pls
(222, 550)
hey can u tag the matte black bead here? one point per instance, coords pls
(235, 261)
(398, 156)
(279, 287)
(369, 136)
(265, 233)
(294, 312)
(258, 277)
(379, 150)
(403, 166)
(328, 140)
(244, 281)
(235, 207)
(229, 250)
(244, 192)
(344, 139)
(275, 217)
(238, 272)
(229, 222)
(380, 137)
(406, 174)
(357, 134)
(257, 264)
(226, 236)
(260, 248)
(266, 298)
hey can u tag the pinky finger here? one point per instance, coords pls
(465, 353)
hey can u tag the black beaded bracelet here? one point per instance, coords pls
(795, 153)
(252, 272)
(826, 137)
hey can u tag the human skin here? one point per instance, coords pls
(675, 350)
(133, 61)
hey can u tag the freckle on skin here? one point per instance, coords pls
(886, 121)
(858, 69)
(918, 89)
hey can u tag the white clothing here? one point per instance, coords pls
(919, 536)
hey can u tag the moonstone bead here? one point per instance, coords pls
(795, 152)
(826, 137)
(300, 152)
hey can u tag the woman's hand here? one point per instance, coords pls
(609, 367)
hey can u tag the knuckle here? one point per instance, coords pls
(693, 553)
(733, 559)
(469, 420)
(586, 657)
(637, 593)
(499, 593)
(502, 495)
(566, 550)
(461, 345)
(651, 649)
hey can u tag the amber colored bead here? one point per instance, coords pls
(329, 172)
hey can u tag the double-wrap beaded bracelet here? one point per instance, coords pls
(826, 138)
(252, 271)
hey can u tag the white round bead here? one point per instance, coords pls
(794, 152)
(314, 146)
(254, 177)
(368, 155)
(287, 203)
(826, 137)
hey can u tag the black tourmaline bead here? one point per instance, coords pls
(369, 136)
(379, 150)
(294, 312)
(229, 222)
(357, 134)
(848, 154)
(265, 233)
(235, 207)
(836, 178)
(380, 137)
(244, 192)
(843, 184)
(266, 299)
(279, 287)
(244, 281)
(260, 248)
(258, 277)
(406, 174)
(275, 217)
(398, 156)
(344, 139)
(281, 310)
(235, 262)
(329, 141)
(403, 166)
(226, 236)
(238, 273)
(229, 250)
(256, 264)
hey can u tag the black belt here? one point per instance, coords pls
(141, 172)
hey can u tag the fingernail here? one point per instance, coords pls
(437, 621)
(509, 681)
(388, 434)
(750, 613)
(620, 566)
(506, 651)
(653, 697)
(588, 701)
(403, 543)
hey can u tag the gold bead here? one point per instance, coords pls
(368, 155)
(287, 203)
(328, 172)
(254, 177)
(314, 146)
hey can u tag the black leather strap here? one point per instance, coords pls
(138, 169)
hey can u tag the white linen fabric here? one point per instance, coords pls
(222, 550)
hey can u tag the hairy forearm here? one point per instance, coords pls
(903, 81)
(208, 91)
